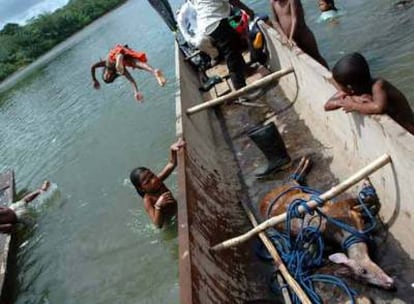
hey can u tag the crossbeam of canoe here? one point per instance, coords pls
(235, 94)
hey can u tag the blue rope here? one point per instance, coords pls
(304, 253)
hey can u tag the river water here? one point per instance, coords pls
(96, 245)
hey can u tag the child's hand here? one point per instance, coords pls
(139, 97)
(165, 199)
(284, 40)
(364, 98)
(347, 104)
(96, 84)
(45, 185)
(178, 144)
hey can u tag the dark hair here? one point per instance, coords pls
(353, 71)
(112, 77)
(331, 3)
(135, 177)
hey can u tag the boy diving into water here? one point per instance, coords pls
(358, 92)
(120, 57)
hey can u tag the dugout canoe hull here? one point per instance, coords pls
(211, 182)
(7, 192)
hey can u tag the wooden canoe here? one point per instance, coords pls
(7, 192)
(215, 174)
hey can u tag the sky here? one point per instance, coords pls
(19, 11)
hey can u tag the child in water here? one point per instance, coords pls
(122, 56)
(290, 20)
(19, 212)
(158, 200)
(359, 92)
(328, 10)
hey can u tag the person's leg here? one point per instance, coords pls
(307, 43)
(156, 72)
(228, 42)
(204, 44)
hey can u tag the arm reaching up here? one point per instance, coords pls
(175, 147)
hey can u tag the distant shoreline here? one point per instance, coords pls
(58, 49)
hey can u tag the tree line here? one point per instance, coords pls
(21, 45)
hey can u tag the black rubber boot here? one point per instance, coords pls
(270, 142)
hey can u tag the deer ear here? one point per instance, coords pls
(339, 258)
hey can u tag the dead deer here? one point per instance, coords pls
(357, 258)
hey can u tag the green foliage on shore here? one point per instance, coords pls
(21, 45)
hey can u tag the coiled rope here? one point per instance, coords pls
(304, 253)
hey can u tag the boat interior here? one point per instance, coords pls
(217, 185)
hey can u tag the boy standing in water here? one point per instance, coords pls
(18, 212)
(122, 56)
(290, 20)
(358, 92)
(158, 200)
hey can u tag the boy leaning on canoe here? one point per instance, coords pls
(359, 92)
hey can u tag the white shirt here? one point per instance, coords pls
(210, 13)
(187, 21)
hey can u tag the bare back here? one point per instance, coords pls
(398, 107)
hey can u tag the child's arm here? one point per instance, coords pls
(368, 104)
(294, 19)
(155, 211)
(99, 64)
(137, 94)
(32, 195)
(173, 159)
(335, 102)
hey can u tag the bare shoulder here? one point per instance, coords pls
(380, 84)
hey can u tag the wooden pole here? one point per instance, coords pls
(279, 264)
(235, 94)
(352, 180)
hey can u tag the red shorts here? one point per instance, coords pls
(130, 56)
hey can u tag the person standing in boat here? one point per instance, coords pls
(158, 200)
(290, 20)
(120, 57)
(188, 25)
(19, 212)
(212, 17)
(359, 92)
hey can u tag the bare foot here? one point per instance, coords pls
(160, 77)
